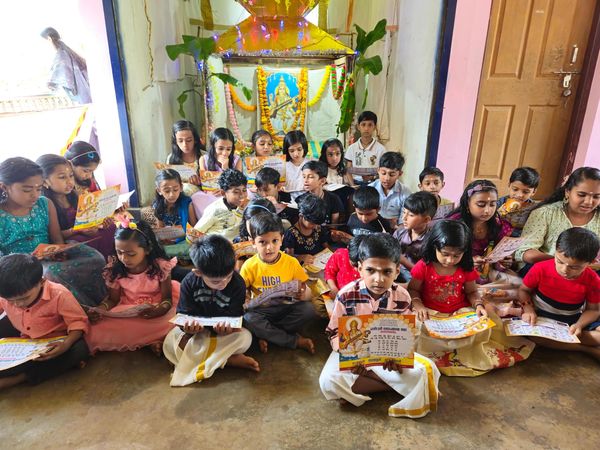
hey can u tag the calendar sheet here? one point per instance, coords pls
(505, 248)
(373, 339)
(169, 233)
(458, 326)
(544, 328)
(282, 293)
(182, 319)
(210, 180)
(16, 351)
(320, 261)
(253, 164)
(94, 207)
(184, 171)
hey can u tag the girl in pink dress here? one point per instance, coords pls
(140, 291)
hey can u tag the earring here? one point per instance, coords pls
(565, 201)
(3, 195)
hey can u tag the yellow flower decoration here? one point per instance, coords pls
(238, 101)
(324, 82)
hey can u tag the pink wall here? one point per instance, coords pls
(103, 94)
(588, 150)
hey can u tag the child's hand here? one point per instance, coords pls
(575, 329)
(529, 317)
(359, 370)
(192, 328)
(90, 232)
(392, 366)
(507, 262)
(92, 314)
(333, 292)
(340, 236)
(421, 311)
(223, 329)
(478, 262)
(195, 180)
(155, 311)
(307, 259)
(481, 311)
(53, 350)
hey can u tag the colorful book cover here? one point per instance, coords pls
(16, 351)
(443, 210)
(184, 171)
(182, 319)
(373, 339)
(544, 328)
(281, 294)
(44, 251)
(210, 180)
(457, 326)
(252, 165)
(94, 207)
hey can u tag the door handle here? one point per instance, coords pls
(574, 54)
(567, 72)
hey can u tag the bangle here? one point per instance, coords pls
(478, 304)
(105, 305)
(417, 298)
(168, 302)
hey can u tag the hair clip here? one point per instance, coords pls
(474, 189)
(260, 206)
(125, 222)
(89, 154)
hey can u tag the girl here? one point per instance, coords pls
(256, 206)
(340, 269)
(139, 275)
(85, 159)
(262, 143)
(332, 153)
(478, 210)
(295, 149)
(59, 186)
(442, 284)
(575, 204)
(173, 208)
(221, 152)
(186, 150)
(27, 220)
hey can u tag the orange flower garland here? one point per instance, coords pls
(238, 101)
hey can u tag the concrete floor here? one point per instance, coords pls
(124, 401)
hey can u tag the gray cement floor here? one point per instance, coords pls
(124, 401)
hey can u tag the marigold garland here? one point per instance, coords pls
(238, 101)
(312, 102)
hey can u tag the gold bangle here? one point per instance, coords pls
(168, 302)
(106, 307)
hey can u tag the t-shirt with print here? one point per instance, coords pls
(306, 245)
(197, 299)
(379, 225)
(259, 275)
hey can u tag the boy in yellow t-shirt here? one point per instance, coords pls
(279, 323)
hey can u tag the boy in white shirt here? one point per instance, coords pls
(362, 157)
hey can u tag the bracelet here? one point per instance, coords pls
(105, 305)
(168, 302)
(478, 304)
(417, 298)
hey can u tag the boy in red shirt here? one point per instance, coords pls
(39, 309)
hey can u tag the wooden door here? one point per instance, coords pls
(522, 117)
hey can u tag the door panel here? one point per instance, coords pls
(522, 117)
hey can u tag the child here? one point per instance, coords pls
(85, 159)
(516, 206)
(40, 309)
(442, 284)
(139, 275)
(478, 209)
(419, 209)
(364, 154)
(314, 174)
(172, 207)
(332, 154)
(262, 143)
(267, 184)
(221, 154)
(431, 179)
(28, 219)
(278, 324)
(340, 269)
(307, 237)
(378, 265)
(59, 186)
(392, 192)
(567, 290)
(295, 149)
(256, 206)
(186, 149)
(224, 215)
(213, 289)
(366, 219)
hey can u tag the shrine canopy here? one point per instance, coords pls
(278, 30)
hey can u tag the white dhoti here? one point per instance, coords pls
(203, 353)
(418, 386)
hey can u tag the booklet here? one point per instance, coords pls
(373, 339)
(16, 351)
(46, 251)
(245, 248)
(544, 328)
(457, 326)
(320, 261)
(209, 180)
(182, 319)
(334, 186)
(252, 165)
(184, 171)
(516, 212)
(443, 211)
(363, 171)
(169, 233)
(94, 207)
(134, 311)
(505, 248)
(280, 294)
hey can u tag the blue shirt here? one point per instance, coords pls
(392, 204)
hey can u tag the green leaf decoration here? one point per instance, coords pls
(360, 39)
(173, 51)
(247, 92)
(347, 108)
(370, 65)
(181, 100)
(199, 48)
(364, 40)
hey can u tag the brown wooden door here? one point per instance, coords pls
(522, 117)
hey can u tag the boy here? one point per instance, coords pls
(224, 216)
(267, 184)
(518, 204)
(211, 289)
(378, 265)
(278, 324)
(392, 192)
(363, 156)
(567, 290)
(366, 218)
(431, 179)
(419, 210)
(39, 309)
(314, 174)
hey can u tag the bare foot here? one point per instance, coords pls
(264, 345)
(184, 340)
(243, 362)
(156, 348)
(306, 344)
(7, 382)
(344, 402)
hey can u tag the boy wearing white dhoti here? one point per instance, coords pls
(211, 289)
(379, 265)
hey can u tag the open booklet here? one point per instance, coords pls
(280, 294)
(320, 261)
(505, 248)
(182, 319)
(184, 171)
(44, 251)
(373, 339)
(544, 328)
(443, 210)
(94, 207)
(458, 326)
(16, 351)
